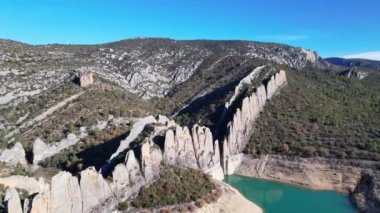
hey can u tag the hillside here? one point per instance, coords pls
(360, 63)
(123, 116)
(323, 115)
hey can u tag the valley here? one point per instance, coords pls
(195, 110)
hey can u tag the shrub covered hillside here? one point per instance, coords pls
(175, 186)
(320, 114)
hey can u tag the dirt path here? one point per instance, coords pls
(45, 114)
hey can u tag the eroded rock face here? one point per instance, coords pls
(29, 184)
(240, 128)
(14, 156)
(12, 201)
(65, 194)
(195, 149)
(314, 173)
(86, 79)
(39, 204)
(95, 190)
(151, 157)
(42, 150)
(311, 56)
(137, 128)
(366, 195)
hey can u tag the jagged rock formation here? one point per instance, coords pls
(245, 81)
(42, 150)
(354, 72)
(137, 128)
(95, 190)
(26, 183)
(240, 128)
(195, 148)
(14, 156)
(366, 195)
(65, 193)
(12, 201)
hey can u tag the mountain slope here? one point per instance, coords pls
(361, 63)
(323, 115)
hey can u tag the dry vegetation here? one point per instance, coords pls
(320, 114)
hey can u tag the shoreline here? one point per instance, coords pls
(358, 179)
(291, 184)
(231, 200)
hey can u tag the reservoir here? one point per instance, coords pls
(274, 197)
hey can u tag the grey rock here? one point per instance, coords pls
(95, 189)
(14, 156)
(65, 193)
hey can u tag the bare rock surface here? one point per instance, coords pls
(86, 79)
(42, 150)
(240, 128)
(137, 128)
(12, 201)
(95, 190)
(65, 194)
(14, 156)
(314, 173)
(29, 184)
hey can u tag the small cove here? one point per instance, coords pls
(274, 197)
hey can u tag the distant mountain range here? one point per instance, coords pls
(363, 63)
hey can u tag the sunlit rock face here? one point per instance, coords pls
(85, 79)
(240, 128)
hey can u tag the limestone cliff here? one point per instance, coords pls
(240, 128)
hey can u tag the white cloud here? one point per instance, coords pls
(283, 38)
(375, 55)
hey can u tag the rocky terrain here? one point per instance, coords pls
(88, 128)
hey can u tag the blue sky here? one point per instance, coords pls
(331, 27)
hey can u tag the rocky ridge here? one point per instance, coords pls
(240, 128)
(193, 148)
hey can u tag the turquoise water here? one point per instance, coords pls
(276, 197)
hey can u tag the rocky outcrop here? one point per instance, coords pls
(151, 157)
(85, 79)
(311, 56)
(194, 149)
(248, 80)
(29, 184)
(12, 201)
(313, 173)
(42, 150)
(137, 128)
(65, 194)
(366, 195)
(14, 156)
(95, 190)
(239, 130)
(40, 204)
